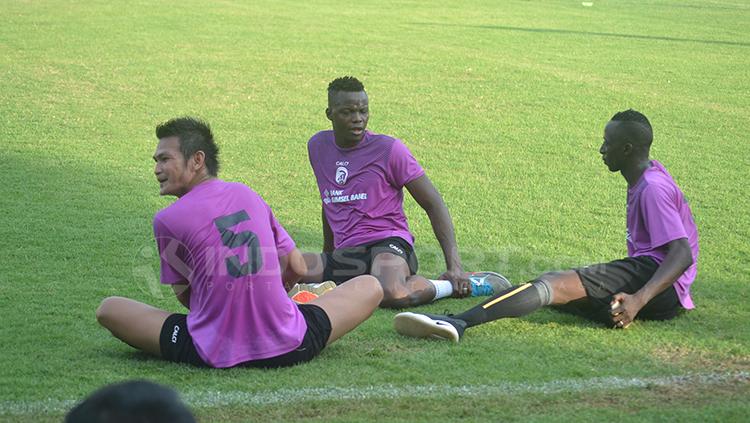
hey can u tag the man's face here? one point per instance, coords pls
(171, 169)
(615, 147)
(348, 112)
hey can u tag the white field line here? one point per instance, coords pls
(209, 399)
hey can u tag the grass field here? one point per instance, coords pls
(503, 103)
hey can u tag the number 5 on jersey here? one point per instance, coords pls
(233, 240)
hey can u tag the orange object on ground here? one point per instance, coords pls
(303, 297)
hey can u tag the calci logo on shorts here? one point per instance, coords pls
(342, 173)
(175, 332)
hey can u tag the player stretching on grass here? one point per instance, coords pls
(653, 282)
(225, 255)
(361, 176)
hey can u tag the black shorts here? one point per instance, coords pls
(348, 262)
(177, 344)
(602, 281)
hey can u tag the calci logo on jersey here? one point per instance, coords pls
(342, 173)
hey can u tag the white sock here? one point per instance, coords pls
(442, 288)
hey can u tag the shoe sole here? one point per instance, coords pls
(421, 326)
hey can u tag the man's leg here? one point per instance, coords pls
(350, 304)
(400, 289)
(135, 323)
(516, 301)
(550, 288)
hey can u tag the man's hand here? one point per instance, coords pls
(460, 281)
(624, 308)
(293, 268)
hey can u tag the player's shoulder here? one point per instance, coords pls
(218, 188)
(236, 186)
(383, 138)
(658, 184)
(239, 190)
(321, 137)
(658, 176)
(383, 144)
(163, 214)
(166, 219)
(171, 211)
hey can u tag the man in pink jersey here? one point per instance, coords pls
(361, 176)
(225, 256)
(653, 282)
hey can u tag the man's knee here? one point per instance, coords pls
(389, 268)
(555, 276)
(106, 311)
(371, 285)
(565, 286)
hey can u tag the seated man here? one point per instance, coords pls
(361, 176)
(653, 282)
(225, 255)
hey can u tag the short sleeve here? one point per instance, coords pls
(284, 243)
(173, 255)
(310, 151)
(402, 165)
(661, 216)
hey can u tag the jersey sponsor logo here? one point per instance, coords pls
(338, 196)
(174, 334)
(342, 174)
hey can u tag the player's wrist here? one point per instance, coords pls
(454, 265)
(640, 299)
(455, 272)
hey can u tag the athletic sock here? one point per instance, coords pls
(442, 288)
(515, 301)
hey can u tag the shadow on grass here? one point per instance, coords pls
(591, 33)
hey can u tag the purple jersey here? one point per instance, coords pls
(658, 214)
(223, 239)
(362, 187)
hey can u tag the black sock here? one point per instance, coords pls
(515, 301)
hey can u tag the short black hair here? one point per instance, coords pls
(194, 135)
(638, 128)
(138, 401)
(346, 83)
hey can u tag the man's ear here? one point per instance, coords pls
(198, 160)
(328, 113)
(627, 149)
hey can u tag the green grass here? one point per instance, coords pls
(502, 102)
